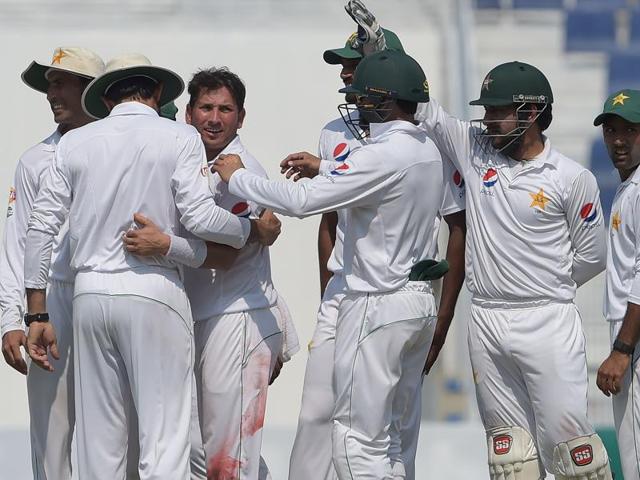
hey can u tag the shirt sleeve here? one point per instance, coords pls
(199, 213)
(586, 228)
(352, 184)
(634, 293)
(49, 213)
(453, 200)
(451, 135)
(21, 198)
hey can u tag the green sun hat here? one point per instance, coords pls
(624, 103)
(514, 82)
(353, 48)
(126, 66)
(390, 73)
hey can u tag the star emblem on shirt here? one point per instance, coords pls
(619, 99)
(539, 199)
(58, 55)
(616, 221)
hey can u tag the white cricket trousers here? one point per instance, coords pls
(530, 370)
(382, 341)
(132, 354)
(51, 406)
(235, 357)
(626, 414)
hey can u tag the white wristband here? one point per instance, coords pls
(191, 252)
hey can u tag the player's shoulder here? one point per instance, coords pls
(335, 135)
(38, 156)
(568, 169)
(250, 162)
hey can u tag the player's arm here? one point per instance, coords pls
(12, 268)
(588, 237)
(613, 369)
(326, 242)
(49, 212)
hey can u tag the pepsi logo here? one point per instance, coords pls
(490, 178)
(241, 209)
(341, 152)
(341, 169)
(582, 455)
(457, 179)
(502, 444)
(588, 213)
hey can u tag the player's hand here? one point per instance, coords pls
(148, 240)
(266, 229)
(276, 370)
(11, 343)
(41, 340)
(226, 166)
(300, 165)
(611, 373)
(439, 337)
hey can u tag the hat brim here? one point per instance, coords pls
(35, 76)
(173, 86)
(491, 102)
(629, 117)
(336, 55)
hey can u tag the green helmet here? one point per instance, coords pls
(390, 74)
(514, 82)
(353, 48)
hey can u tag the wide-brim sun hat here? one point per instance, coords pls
(75, 60)
(126, 66)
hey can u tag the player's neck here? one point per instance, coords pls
(532, 145)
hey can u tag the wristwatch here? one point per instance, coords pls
(620, 346)
(29, 318)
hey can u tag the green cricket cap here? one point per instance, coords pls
(353, 48)
(390, 73)
(514, 82)
(169, 111)
(624, 103)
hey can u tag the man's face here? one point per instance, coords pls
(217, 117)
(500, 121)
(623, 143)
(348, 67)
(64, 94)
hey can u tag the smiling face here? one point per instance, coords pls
(64, 95)
(622, 139)
(217, 118)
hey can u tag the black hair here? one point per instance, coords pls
(130, 87)
(213, 79)
(407, 107)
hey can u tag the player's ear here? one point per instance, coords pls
(108, 103)
(187, 114)
(241, 116)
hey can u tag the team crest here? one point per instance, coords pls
(486, 83)
(425, 87)
(12, 202)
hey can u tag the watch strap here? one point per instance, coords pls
(620, 346)
(29, 318)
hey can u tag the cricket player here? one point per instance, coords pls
(535, 234)
(238, 338)
(51, 407)
(311, 454)
(133, 332)
(385, 323)
(619, 374)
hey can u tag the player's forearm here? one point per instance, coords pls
(216, 225)
(453, 280)
(37, 259)
(630, 330)
(36, 300)
(326, 243)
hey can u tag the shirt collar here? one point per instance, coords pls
(234, 146)
(51, 142)
(544, 157)
(634, 178)
(132, 108)
(377, 130)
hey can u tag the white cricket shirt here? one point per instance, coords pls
(131, 161)
(32, 167)
(247, 284)
(623, 255)
(534, 229)
(392, 188)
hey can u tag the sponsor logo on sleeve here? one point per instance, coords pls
(341, 152)
(582, 455)
(241, 209)
(12, 202)
(340, 170)
(502, 444)
(589, 215)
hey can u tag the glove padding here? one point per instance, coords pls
(370, 33)
(429, 269)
